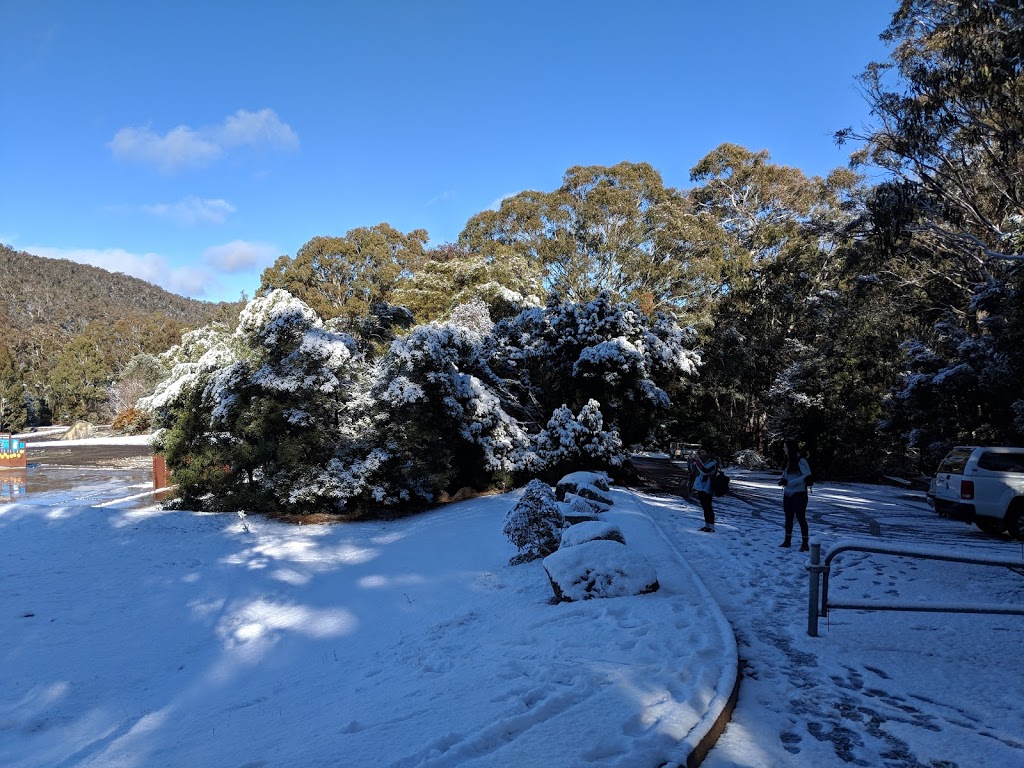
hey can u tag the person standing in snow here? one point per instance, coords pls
(795, 471)
(706, 467)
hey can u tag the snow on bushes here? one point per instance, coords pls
(535, 523)
(592, 559)
(568, 440)
(307, 421)
(599, 569)
(749, 458)
(605, 351)
(435, 383)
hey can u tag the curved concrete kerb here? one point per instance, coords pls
(726, 672)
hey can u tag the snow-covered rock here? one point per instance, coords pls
(581, 533)
(599, 569)
(574, 515)
(586, 503)
(571, 482)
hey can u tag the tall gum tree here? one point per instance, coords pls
(346, 276)
(764, 240)
(611, 229)
(947, 226)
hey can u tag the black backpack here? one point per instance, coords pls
(719, 483)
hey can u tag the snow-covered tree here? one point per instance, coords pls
(440, 416)
(196, 454)
(568, 354)
(252, 413)
(569, 442)
(535, 523)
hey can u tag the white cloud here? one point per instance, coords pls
(181, 147)
(151, 267)
(186, 147)
(255, 128)
(195, 282)
(239, 256)
(192, 210)
(444, 197)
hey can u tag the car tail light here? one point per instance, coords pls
(967, 490)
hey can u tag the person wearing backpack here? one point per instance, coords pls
(706, 467)
(796, 473)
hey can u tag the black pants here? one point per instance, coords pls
(795, 505)
(705, 503)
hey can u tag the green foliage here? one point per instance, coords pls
(568, 354)
(451, 275)
(614, 230)
(946, 229)
(346, 276)
(199, 460)
(438, 416)
(779, 314)
(13, 406)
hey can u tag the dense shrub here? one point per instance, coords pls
(535, 523)
(132, 421)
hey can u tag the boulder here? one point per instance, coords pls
(599, 569)
(593, 493)
(574, 480)
(583, 532)
(574, 514)
(586, 504)
(79, 431)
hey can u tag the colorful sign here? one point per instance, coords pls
(12, 452)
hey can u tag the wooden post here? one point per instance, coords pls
(160, 476)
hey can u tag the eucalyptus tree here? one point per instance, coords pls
(765, 250)
(948, 224)
(611, 229)
(347, 276)
(451, 275)
(14, 411)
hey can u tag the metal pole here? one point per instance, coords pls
(812, 593)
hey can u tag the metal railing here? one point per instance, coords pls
(819, 577)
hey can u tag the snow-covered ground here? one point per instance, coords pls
(874, 688)
(140, 637)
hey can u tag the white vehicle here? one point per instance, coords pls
(984, 485)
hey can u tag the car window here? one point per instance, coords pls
(955, 461)
(1002, 462)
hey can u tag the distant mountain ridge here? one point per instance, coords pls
(65, 295)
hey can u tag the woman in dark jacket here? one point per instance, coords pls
(795, 471)
(706, 467)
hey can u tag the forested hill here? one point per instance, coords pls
(67, 330)
(66, 296)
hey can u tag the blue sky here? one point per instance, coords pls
(191, 143)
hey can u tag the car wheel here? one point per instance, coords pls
(990, 525)
(1015, 522)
